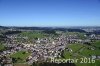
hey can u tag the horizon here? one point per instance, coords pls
(50, 13)
(51, 26)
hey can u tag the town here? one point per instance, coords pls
(20, 46)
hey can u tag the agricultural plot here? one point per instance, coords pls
(97, 44)
(75, 47)
(2, 47)
(67, 55)
(91, 50)
(81, 51)
(21, 64)
(32, 34)
(20, 56)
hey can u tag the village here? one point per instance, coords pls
(42, 49)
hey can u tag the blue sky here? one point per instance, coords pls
(50, 12)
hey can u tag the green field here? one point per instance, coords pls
(97, 44)
(67, 54)
(17, 64)
(97, 63)
(20, 56)
(75, 47)
(33, 34)
(87, 52)
(81, 51)
(2, 47)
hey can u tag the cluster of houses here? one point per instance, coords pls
(42, 48)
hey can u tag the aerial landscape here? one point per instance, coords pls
(49, 33)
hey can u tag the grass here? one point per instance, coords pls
(96, 43)
(97, 63)
(67, 55)
(2, 47)
(21, 64)
(75, 47)
(85, 52)
(33, 34)
(22, 55)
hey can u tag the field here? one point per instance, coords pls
(75, 47)
(21, 64)
(81, 51)
(20, 56)
(97, 63)
(2, 47)
(32, 35)
(97, 44)
(67, 54)
(92, 49)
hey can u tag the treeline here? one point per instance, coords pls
(50, 32)
(76, 30)
(97, 32)
(11, 32)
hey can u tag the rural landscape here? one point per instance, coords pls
(35, 46)
(49, 32)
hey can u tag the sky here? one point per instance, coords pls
(50, 13)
